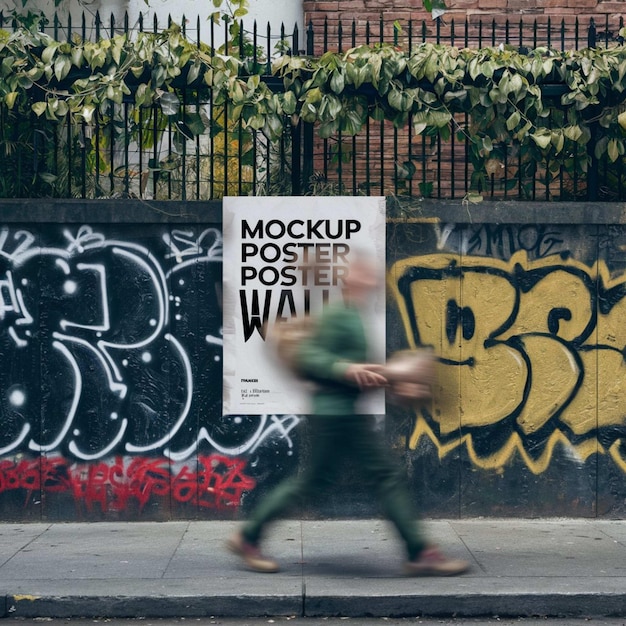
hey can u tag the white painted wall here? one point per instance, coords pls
(276, 13)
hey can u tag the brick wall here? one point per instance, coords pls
(339, 25)
(461, 9)
(563, 24)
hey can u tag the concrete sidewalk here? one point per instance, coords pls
(346, 568)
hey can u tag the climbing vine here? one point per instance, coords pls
(548, 104)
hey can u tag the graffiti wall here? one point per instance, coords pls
(528, 324)
(110, 379)
(111, 373)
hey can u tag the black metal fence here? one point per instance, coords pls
(139, 152)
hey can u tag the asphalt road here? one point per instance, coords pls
(329, 621)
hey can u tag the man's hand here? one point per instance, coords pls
(366, 375)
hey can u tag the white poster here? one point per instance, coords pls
(285, 257)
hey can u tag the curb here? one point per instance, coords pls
(243, 606)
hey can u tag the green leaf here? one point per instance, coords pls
(308, 113)
(431, 68)
(10, 99)
(353, 122)
(573, 132)
(289, 103)
(47, 177)
(195, 123)
(62, 67)
(194, 72)
(557, 139)
(474, 198)
(87, 113)
(337, 82)
(39, 108)
(48, 54)
(313, 96)
(541, 139)
(328, 129)
(614, 149)
(273, 126)
(513, 121)
(77, 57)
(330, 108)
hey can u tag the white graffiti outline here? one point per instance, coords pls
(73, 448)
(186, 250)
(110, 368)
(22, 247)
(253, 442)
(100, 270)
(194, 247)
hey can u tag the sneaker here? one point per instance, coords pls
(431, 562)
(251, 554)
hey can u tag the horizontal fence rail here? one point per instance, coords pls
(154, 153)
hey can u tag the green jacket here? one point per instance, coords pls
(339, 339)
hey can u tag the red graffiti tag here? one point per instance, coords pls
(215, 482)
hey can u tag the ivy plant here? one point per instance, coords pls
(557, 108)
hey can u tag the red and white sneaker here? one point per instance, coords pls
(431, 562)
(251, 555)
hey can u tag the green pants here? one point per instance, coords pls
(333, 438)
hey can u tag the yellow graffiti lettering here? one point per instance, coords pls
(553, 380)
(512, 447)
(457, 312)
(539, 342)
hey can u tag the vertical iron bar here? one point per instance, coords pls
(226, 129)
(549, 33)
(339, 154)
(156, 170)
(295, 41)
(126, 150)
(466, 185)
(325, 37)
(183, 140)
(307, 129)
(452, 159)
(213, 118)
(111, 133)
(296, 151)
(396, 161)
(240, 121)
(255, 59)
(197, 138)
(142, 174)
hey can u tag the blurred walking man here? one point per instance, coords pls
(335, 359)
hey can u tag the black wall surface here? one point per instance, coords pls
(111, 368)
